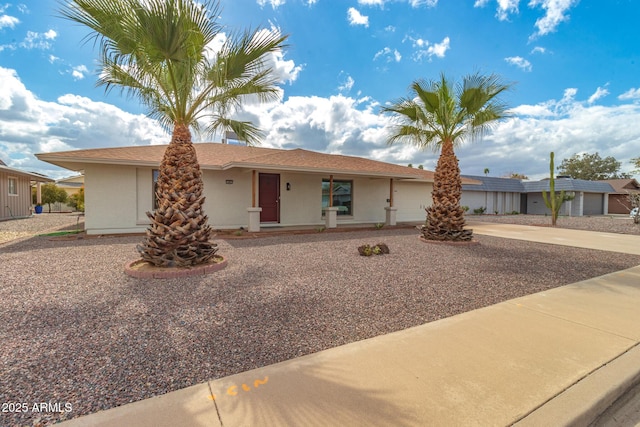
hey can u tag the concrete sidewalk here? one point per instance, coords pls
(559, 357)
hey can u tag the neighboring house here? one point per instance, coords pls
(15, 191)
(251, 187)
(71, 186)
(590, 197)
(496, 195)
(618, 200)
(506, 195)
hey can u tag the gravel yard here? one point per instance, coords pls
(76, 330)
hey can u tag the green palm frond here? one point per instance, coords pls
(159, 52)
(438, 111)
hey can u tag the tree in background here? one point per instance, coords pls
(76, 201)
(486, 171)
(439, 115)
(51, 193)
(160, 51)
(636, 163)
(591, 167)
(515, 175)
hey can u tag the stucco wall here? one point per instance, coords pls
(411, 199)
(118, 197)
(111, 200)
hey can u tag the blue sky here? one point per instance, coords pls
(575, 65)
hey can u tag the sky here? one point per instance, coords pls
(574, 65)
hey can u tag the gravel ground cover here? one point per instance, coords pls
(37, 224)
(77, 332)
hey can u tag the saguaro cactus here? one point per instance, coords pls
(555, 200)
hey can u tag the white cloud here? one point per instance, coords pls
(631, 94)
(29, 125)
(347, 85)
(418, 3)
(428, 50)
(35, 40)
(519, 62)
(356, 18)
(8, 21)
(555, 13)
(539, 49)
(275, 3)
(389, 54)
(599, 93)
(371, 2)
(504, 8)
(79, 72)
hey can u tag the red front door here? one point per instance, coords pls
(269, 197)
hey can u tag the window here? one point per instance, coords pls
(342, 196)
(154, 179)
(13, 186)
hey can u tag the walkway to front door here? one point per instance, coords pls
(269, 197)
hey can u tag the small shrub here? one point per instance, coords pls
(480, 210)
(238, 233)
(321, 229)
(465, 208)
(515, 213)
(378, 249)
(379, 225)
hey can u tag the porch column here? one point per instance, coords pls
(390, 211)
(39, 192)
(331, 213)
(254, 219)
(331, 217)
(254, 211)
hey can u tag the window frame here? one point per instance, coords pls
(13, 187)
(340, 213)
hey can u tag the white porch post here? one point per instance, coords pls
(390, 211)
(331, 217)
(254, 211)
(39, 192)
(254, 219)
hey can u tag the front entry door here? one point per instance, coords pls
(269, 197)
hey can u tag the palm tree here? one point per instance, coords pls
(437, 115)
(159, 51)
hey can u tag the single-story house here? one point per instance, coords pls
(618, 200)
(15, 191)
(495, 195)
(506, 195)
(251, 187)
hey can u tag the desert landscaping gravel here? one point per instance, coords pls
(77, 331)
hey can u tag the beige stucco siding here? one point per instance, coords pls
(111, 198)
(226, 204)
(411, 199)
(302, 204)
(118, 197)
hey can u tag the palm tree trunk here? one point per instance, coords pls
(445, 217)
(179, 234)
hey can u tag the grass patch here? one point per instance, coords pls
(60, 233)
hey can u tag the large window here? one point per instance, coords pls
(342, 196)
(13, 186)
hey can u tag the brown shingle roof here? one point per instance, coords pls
(623, 186)
(224, 156)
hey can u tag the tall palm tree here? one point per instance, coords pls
(440, 116)
(159, 51)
